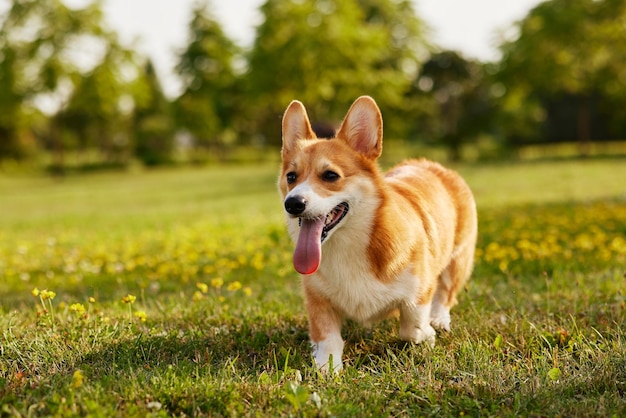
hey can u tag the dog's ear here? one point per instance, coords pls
(296, 126)
(362, 127)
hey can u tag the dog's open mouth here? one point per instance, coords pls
(333, 218)
(313, 232)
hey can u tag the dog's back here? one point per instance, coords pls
(446, 206)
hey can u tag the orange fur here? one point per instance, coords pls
(406, 243)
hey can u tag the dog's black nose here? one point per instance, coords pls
(295, 205)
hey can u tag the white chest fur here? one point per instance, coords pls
(346, 279)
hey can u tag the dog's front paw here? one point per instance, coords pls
(330, 365)
(419, 335)
(327, 354)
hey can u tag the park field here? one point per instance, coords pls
(172, 292)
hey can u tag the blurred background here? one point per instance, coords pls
(113, 83)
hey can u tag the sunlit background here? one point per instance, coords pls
(145, 268)
(116, 82)
(159, 28)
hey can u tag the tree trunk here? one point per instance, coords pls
(454, 143)
(58, 149)
(584, 126)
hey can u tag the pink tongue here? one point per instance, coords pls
(308, 253)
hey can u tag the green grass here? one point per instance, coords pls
(218, 327)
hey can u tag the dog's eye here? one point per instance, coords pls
(291, 177)
(330, 176)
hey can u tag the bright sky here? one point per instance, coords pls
(158, 28)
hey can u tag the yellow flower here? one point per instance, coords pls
(141, 315)
(79, 308)
(234, 286)
(247, 291)
(203, 287)
(77, 379)
(35, 292)
(217, 283)
(91, 299)
(47, 294)
(197, 296)
(129, 299)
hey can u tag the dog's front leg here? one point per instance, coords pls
(327, 353)
(324, 331)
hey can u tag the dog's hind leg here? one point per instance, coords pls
(440, 309)
(451, 280)
(415, 323)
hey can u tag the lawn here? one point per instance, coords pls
(172, 292)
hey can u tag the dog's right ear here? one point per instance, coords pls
(296, 126)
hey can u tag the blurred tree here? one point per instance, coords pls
(210, 99)
(327, 52)
(60, 61)
(461, 97)
(10, 100)
(572, 49)
(95, 116)
(34, 65)
(152, 122)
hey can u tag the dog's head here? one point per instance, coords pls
(322, 181)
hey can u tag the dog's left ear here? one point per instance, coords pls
(296, 126)
(363, 127)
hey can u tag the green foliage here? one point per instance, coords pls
(172, 293)
(327, 52)
(567, 48)
(69, 88)
(582, 38)
(41, 71)
(152, 121)
(11, 144)
(210, 102)
(93, 117)
(461, 102)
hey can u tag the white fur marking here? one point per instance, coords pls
(329, 351)
(439, 313)
(315, 204)
(415, 323)
(440, 316)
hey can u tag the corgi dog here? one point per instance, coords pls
(370, 244)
